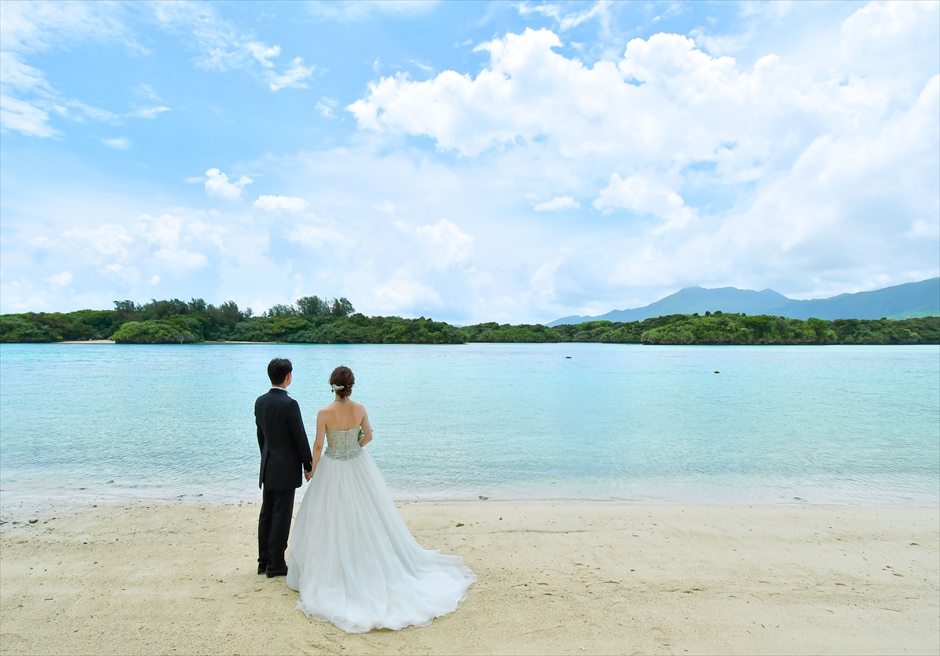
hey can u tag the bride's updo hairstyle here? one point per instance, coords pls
(342, 381)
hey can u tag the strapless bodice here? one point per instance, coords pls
(342, 444)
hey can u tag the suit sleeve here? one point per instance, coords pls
(260, 432)
(299, 435)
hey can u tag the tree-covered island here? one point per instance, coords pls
(312, 320)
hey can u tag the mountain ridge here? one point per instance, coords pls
(907, 300)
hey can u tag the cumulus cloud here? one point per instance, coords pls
(287, 203)
(644, 195)
(217, 184)
(808, 165)
(677, 128)
(558, 203)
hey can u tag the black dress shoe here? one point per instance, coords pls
(262, 568)
(276, 571)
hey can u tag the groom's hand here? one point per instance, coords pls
(308, 474)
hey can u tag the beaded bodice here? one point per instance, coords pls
(342, 444)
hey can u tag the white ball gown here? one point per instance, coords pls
(351, 556)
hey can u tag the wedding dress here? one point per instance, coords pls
(351, 556)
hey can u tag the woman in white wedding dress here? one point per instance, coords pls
(351, 556)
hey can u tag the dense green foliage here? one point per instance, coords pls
(314, 320)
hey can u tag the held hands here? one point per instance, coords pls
(308, 474)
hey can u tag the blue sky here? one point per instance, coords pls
(467, 161)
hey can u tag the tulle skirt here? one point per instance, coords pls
(354, 561)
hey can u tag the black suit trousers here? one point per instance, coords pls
(277, 506)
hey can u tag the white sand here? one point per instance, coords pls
(554, 577)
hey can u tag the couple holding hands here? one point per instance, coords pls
(351, 556)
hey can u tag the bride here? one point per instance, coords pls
(351, 556)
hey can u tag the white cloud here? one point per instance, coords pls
(293, 77)
(224, 46)
(287, 203)
(326, 106)
(644, 195)
(317, 235)
(808, 164)
(217, 184)
(341, 10)
(164, 230)
(542, 282)
(19, 116)
(567, 21)
(558, 203)
(401, 293)
(27, 99)
(117, 143)
(106, 241)
(263, 53)
(149, 112)
(180, 261)
(60, 279)
(445, 244)
(121, 272)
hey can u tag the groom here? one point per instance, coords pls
(284, 450)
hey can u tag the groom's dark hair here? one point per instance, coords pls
(278, 368)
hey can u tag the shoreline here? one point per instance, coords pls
(21, 510)
(570, 576)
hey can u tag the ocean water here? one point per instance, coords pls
(833, 424)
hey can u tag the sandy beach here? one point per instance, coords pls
(554, 578)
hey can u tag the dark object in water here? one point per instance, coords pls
(717, 372)
(567, 357)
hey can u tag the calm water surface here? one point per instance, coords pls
(837, 424)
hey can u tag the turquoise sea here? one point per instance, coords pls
(828, 424)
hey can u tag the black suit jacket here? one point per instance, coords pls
(282, 439)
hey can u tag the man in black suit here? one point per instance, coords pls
(285, 451)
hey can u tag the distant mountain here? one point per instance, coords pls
(913, 299)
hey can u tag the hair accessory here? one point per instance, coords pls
(337, 388)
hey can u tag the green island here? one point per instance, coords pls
(312, 320)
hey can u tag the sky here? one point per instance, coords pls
(466, 161)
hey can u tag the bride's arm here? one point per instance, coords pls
(318, 442)
(366, 429)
